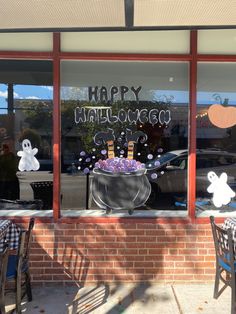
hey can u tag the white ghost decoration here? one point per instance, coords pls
(222, 193)
(28, 162)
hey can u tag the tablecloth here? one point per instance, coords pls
(9, 232)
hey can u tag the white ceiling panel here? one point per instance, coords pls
(184, 12)
(20, 14)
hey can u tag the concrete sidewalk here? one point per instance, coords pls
(136, 298)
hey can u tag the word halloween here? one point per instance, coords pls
(102, 94)
(101, 116)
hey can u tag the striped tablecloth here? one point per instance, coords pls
(9, 232)
(230, 223)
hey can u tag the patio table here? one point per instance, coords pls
(9, 232)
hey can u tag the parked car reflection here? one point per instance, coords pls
(168, 173)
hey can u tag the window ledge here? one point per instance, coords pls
(216, 212)
(96, 213)
(25, 213)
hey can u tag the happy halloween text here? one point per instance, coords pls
(105, 115)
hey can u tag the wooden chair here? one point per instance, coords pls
(3, 271)
(18, 265)
(225, 262)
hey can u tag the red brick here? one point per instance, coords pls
(106, 239)
(146, 239)
(126, 226)
(115, 245)
(155, 232)
(174, 258)
(94, 245)
(147, 226)
(188, 251)
(126, 239)
(143, 264)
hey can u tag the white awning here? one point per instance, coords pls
(82, 14)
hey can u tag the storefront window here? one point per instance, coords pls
(216, 138)
(25, 133)
(124, 135)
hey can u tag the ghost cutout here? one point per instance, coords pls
(222, 193)
(28, 162)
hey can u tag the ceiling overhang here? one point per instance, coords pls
(49, 15)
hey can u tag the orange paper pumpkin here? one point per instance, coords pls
(222, 117)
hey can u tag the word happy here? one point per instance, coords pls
(103, 94)
(100, 116)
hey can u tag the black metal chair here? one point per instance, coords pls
(18, 265)
(3, 272)
(43, 190)
(225, 262)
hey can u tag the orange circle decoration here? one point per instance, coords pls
(222, 117)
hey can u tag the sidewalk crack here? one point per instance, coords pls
(176, 300)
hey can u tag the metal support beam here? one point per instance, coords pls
(129, 13)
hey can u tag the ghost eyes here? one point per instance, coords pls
(27, 145)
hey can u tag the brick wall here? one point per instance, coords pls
(126, 252)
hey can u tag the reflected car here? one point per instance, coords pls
(168, 172)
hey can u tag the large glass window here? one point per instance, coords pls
(25, 134)
(124, 135)
(216, 138)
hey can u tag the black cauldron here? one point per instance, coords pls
(123, 190)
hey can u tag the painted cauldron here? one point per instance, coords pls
(123, 190)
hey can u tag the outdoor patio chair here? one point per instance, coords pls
(18, 265)
(225, 262)
(43, 190)
(3, 271)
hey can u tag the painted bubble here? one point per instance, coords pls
(160, 150)
(94, 149)
(82, 153)
(138, 154)
(122, 152)
(79, 168)
(80, 159)
(157, 163)
(153, 175)
(150, 156)
(93, 157)
(103, 152)
(88, 159)
(146, 144)
(86, 170)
